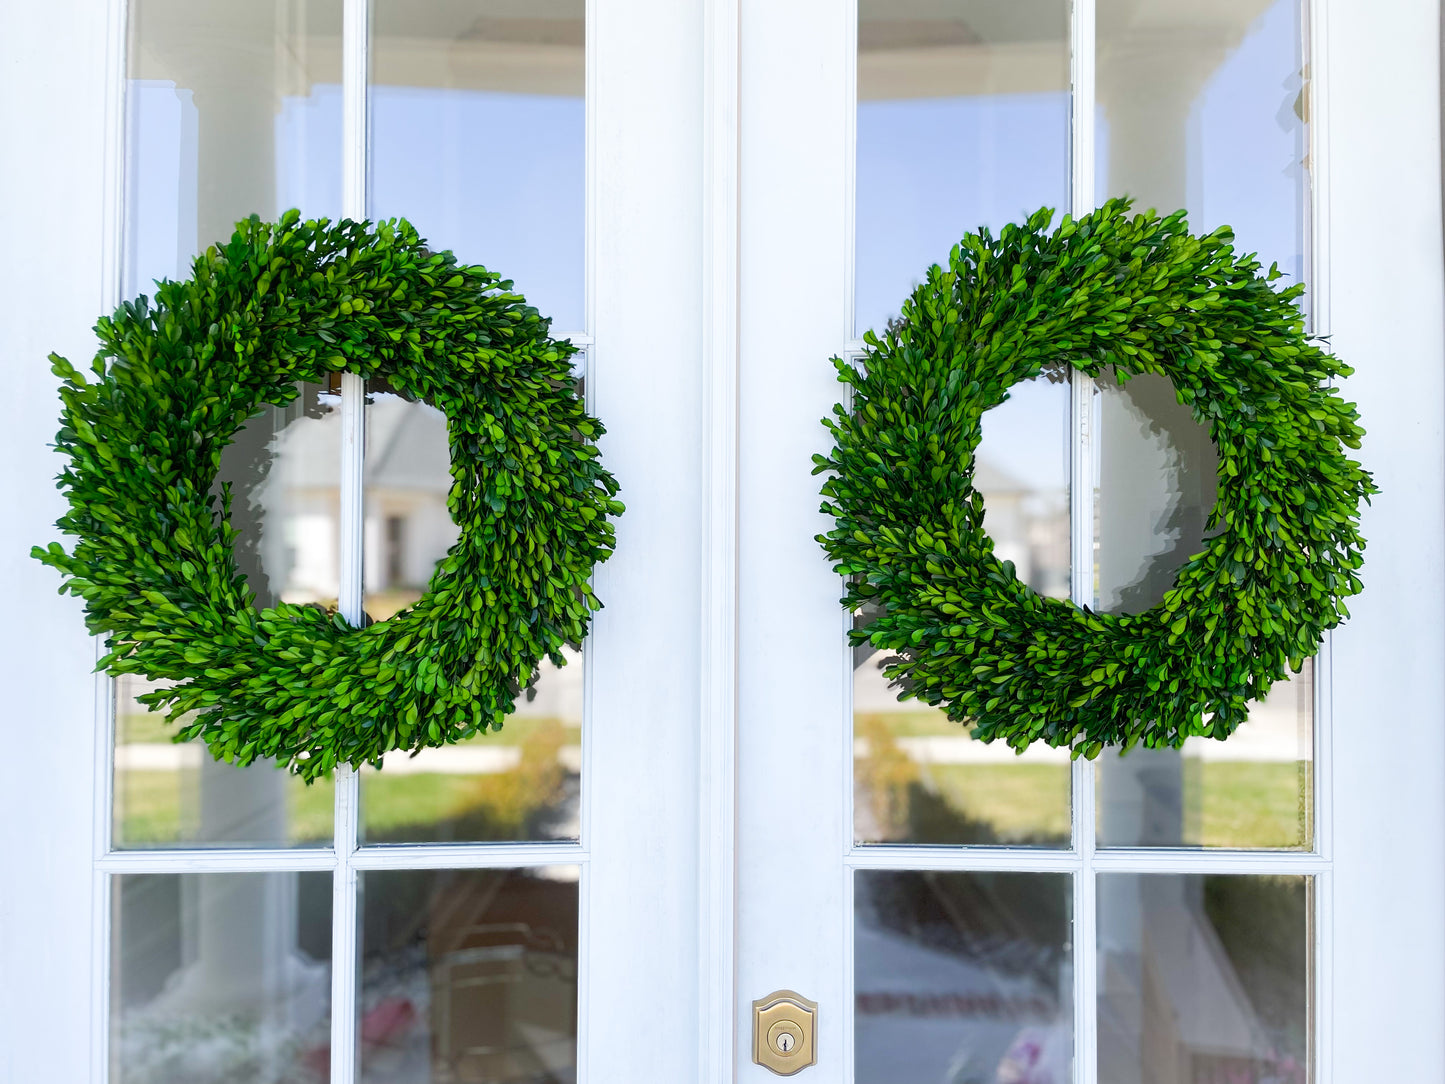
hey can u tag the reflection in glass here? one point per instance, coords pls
(919, 778)
(1204, 978)
(169, 795)
(478, 137)
(282, 470)
(220, 977)
(520, 783)
(468, 975)
(963, 121)
(1254, 790)
(235, 109)
(962, 977)
(1157, 483)
(1203, 107)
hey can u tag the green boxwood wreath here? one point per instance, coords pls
(1136, 295)
(174, 381)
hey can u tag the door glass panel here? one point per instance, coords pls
(963, 121)
(1206, 113)
(1203, 107)
(178, 795)
(282, 469)
(1204, 978)
(478, 137)
(962, 977)
(220, 977)
(919, 778)
(468, 975)
(234, 109)
(522, 782)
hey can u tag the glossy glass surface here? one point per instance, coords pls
(919, 778)
(220, 977)
(1202, 107)
(962, 977)
(1204, 979)
(1157, 474)
(478, 137)
(520, 783)
(963, 121)
(468, 976)
(234, 110)
(282, 469)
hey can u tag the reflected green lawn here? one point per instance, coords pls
(154, 807)
(903, 798)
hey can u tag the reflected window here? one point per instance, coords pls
(468, 975)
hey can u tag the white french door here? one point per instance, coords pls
(718, 800)
(1237, 911)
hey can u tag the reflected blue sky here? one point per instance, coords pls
(497, 178)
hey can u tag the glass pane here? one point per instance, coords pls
(478, 137)
(468, 975)
(235, 109)
(1203, 108)
(1157, 482)
(919, 778)
(1204, 979)
(520, 783)
(177, 795)
(1254, 790)
(221, 978)
(963, 121)
(1200, 108)
(962, 977)
(283, 472)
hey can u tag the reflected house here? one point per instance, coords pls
(408, 475)
(408, 528)
(1029, 524)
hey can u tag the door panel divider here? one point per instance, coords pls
(718, 1010)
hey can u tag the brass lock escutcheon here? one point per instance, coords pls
(783, 1032)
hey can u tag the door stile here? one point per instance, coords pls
(718, 1024)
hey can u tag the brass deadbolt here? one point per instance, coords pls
(783, 1036)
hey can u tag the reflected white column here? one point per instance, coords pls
(244, 926)
(1156, 486)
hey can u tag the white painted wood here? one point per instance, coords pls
(54, 112)
(641, 982)
(794, 314)
(717, 763)
(1381, 68)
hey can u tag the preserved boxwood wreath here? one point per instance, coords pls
(174, 381)
(1106, 291)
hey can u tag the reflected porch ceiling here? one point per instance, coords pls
(907, 48)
